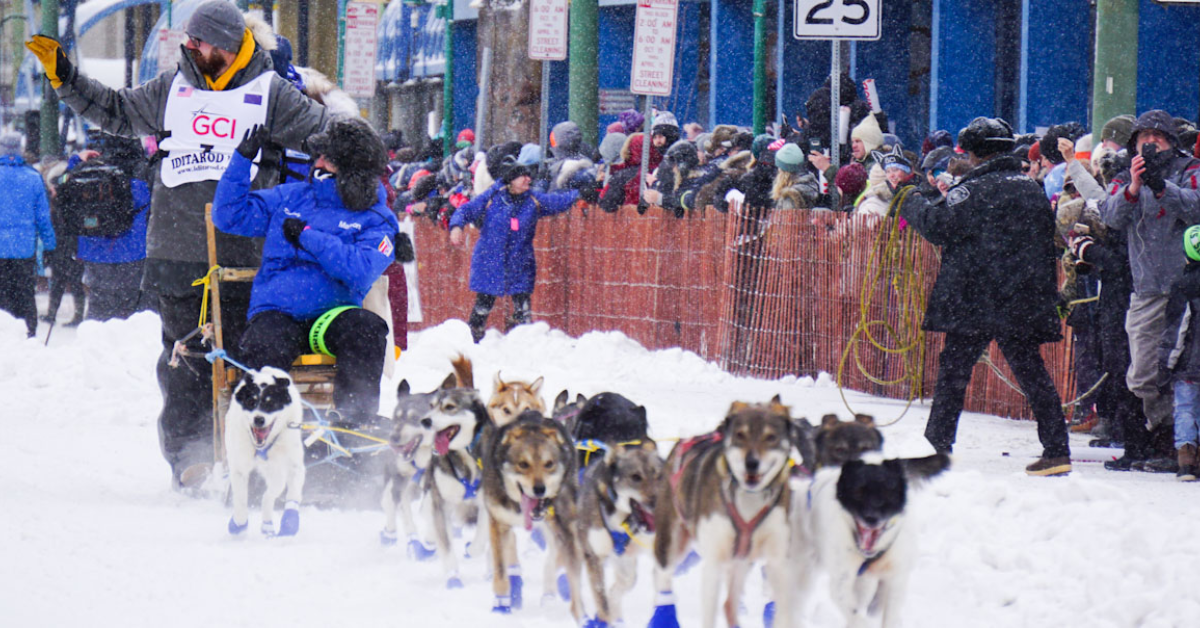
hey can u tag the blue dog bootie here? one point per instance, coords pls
(502, 605)
(538, 536)
(594, 622)
(387, 539)
(418, 550)
(454, 582)
(564, 586)
(515, 586)
(691, 560)
(289, 524)
(664, 611)
(236, 529)
(769, 615)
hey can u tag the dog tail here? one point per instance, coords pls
(462, 371)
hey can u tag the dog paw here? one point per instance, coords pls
(289, 524)
(420, 551)
(691, 560)
(594, 622)
(268, 528)
(538, 536)
(769, 615)
(503, 605)
(515, 586)
(454, 583)
(387, 539)
(564, 587)
(236, 529)
(664, 617)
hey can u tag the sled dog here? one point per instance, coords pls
(728, 492)
(607, 418)
(529, 475)
(616, 519)
(840, 441)
(262, 433)
(510, 399)
(407, 457)
(457, 419)
(852, 524)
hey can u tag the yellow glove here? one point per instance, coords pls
(53, 58)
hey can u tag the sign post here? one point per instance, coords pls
(547, 42)
(836, 20)
(653, 61)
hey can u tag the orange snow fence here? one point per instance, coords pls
(763, 293)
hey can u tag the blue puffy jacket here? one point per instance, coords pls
(127, 247)
(503, 262)
(24, 210)
(342, 252)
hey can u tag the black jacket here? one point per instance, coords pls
(999, 264)
(1179, 348)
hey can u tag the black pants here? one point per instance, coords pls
(958, 358)
(483, 307)
(17, 286)
(185, 423)
(66, 274)
(357, 337)
(114, 290)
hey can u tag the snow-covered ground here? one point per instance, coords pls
(91, 533)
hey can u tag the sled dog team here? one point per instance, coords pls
(588, 483)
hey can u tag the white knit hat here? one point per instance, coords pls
(869, 132)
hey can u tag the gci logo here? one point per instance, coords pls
(218, 126)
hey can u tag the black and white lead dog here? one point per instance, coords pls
(262, 433)
(852, 523)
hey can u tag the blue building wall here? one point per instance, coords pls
(964, 65)
(731, 37)
(1169, 59)
(1058, 84)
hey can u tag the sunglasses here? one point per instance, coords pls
(195, 41)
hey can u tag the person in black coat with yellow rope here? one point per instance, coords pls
(997, 282)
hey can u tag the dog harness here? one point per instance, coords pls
(632, 525)
(470, 486)
(744, 530)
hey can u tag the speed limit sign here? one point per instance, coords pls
(837, 19)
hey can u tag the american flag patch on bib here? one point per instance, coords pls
(385, 246)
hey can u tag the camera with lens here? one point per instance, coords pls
(1157, 163)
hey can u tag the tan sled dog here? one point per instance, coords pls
(727, 492)
(529, 476)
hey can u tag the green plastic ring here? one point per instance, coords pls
(1191, 243)
(316, 335)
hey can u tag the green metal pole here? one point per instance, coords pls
(760, 66)
(49, 118)
(448, 82)
(341, 54)
(584, 92)
(1114, 86)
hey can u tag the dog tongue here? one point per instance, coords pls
(441, 442)
(867, 536)
(528, 505)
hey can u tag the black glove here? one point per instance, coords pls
(253, 141)
(404, 249)
(291, 230)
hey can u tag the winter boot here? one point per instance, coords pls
(1187, 459)
(1059, 465)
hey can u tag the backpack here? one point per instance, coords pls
(95, 199)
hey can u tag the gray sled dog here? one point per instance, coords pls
(851, 522)
(262, 433)
(410, 447)
(727, 492)
(616, 520)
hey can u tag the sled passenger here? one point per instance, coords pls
(328, 239)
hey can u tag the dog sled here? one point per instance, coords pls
(340, 456)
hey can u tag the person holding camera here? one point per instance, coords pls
(1154, 202)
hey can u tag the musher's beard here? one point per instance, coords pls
(210, 66)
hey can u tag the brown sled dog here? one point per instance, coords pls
(529, 476)
(727, 492)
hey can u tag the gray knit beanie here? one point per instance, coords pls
(220, 23)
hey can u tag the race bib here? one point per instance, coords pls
(206, 127)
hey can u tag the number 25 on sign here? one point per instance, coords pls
(837, 19)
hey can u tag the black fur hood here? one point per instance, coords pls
(352, 146)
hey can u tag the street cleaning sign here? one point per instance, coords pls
(362, 22)
(837, 19)
(654, 47)
(548, 30)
